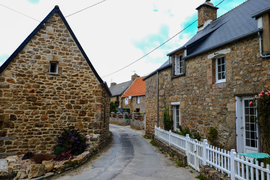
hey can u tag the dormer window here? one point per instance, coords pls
(53, 68)
(178, 65)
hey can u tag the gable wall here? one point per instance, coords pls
(203, 104)
(35, 106)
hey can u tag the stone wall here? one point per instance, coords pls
(204, 104)
(35, 105)
(133, 105)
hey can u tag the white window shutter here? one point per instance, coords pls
(176, 65)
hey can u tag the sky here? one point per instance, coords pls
(113, 33)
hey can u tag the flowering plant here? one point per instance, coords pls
(70, 141)
(263, 111)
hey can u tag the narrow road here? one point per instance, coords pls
(131, 157)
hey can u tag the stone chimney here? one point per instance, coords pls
(113, 84)
(206, 11)
(134, 76)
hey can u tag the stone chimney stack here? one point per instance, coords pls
(113, 84)
(134, 76)
(206, 11)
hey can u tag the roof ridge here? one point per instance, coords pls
(231, 10)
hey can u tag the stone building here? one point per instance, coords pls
(210, 80)
(48, 84)
(134, 97)
(118, 90)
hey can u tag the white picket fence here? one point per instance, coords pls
(200, 153)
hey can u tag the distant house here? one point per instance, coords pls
(134, 97)
(49, 84)
(117, 90)
(210, 81)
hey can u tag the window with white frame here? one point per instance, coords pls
(176, 115)
(53, 67)
(178, 65)
(138, 100)
(126, 100)
(220, 70)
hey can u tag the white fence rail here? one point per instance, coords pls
(201, 153)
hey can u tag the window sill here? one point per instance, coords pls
(176, 76)
(219, 85)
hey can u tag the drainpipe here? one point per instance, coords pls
(157, 102)
(260, 43)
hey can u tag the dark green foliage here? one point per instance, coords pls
(70, 140)
(167, 120)
(192, 134)
(267, 160)
(28, 155)
(212, 136)
(201, 177)
(196, 135)
(112, 107)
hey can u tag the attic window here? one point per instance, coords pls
(53, 68)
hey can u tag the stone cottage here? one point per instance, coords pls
(118, 90)
(210, 80)
(134, 97)
(48, 84)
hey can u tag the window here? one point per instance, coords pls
(176, 115)
(126, 100)
(138, 100)
(178, 65)
(220, 70)
(53, 68)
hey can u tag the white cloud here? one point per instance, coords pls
(107, 32)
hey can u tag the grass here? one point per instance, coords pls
(146, 137)
(154, 143)
(201, 177)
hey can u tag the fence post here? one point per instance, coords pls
(170, 131)
(187, 140)
(204, 156)
(232, 164)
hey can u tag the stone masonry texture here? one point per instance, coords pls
(35, 105)
(204, 104)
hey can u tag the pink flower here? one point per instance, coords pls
(250, 103)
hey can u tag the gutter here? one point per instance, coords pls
(260, 43)
(157, 101)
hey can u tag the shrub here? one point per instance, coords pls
(28, 155)
(63, 156)
(212, 136)
(167, 119)
(38, 158)
(70, 140)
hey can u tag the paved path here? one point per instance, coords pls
(131, 157)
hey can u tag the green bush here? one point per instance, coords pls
(70, 140)
(167, 120)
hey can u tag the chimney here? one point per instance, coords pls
(134, 76)
(206, 11)
(113, 84)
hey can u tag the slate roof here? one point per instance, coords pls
(118, 89)
(25, 42)
(136, 89)
(233, 25)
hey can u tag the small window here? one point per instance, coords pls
(138, 100)
(220, 70)
(126, 100)
(178, 65)
(53, 68)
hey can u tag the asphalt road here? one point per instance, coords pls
(131, 157)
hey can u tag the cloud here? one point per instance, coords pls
(3, 58)
(33, 1)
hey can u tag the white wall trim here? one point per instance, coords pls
(175, 103)
(218, 53)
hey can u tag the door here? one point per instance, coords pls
(249, 125)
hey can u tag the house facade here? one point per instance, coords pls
(49, 84)
(210, 80)
(134, 97)
(117, 90)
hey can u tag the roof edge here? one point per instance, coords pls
(256, 15)
(151, 74)
(224, 43)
